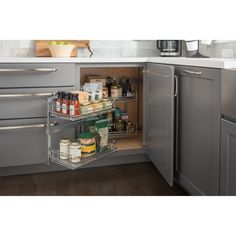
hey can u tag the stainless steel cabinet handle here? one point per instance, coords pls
(26, 126)
(155, 73)
(54, 69)
(176, 85)
(192, 72)
(27, 95)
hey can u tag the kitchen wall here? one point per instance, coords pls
(118, 48)
(101, 48)
(223, 48)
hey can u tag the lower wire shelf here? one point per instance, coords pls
(55, 158)
(122, 134)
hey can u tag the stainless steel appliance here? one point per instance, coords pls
(169, 48)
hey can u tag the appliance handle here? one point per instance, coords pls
(192, 72)
(27, 95)
(53, 69)
(176, 86)
(26, 126)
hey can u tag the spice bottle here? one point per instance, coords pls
(59, 101)
(128, 92)
(115, 89)
(74, 105)
(108, 85)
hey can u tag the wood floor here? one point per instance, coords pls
(129, 180)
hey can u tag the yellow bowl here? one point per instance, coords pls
(61, 50)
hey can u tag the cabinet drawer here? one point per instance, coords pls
(23, 142)
(200, 72)
(36, 75)
(26, 103)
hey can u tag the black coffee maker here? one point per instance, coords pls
(169, 48)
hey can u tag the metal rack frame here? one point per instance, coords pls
(53, 154)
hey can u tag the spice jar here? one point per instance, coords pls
(119, 125)
(64, 148)
(129, 127)
(66, 104)
(59, 101)
(105, 92)
(88, 144)
(74, 105)
(75, 151)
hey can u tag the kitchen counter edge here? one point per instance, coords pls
(221, 63)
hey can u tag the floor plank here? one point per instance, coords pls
(124, 180)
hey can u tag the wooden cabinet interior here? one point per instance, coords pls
(134, 108)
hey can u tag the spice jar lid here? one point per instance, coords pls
(87, 135)
(65, 140)
(75, 142)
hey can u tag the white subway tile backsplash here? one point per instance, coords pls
(27, 44)
(117, 48)
(5, 52)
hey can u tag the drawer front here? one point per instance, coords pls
(26, 103)
(23, 142)
(200, 72)
(37, 75)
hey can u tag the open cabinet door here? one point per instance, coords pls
(160, 100)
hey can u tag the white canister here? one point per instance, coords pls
(64, 149)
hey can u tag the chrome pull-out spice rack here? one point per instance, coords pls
(71, 126)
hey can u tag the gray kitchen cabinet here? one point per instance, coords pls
(23, 142)
(228, 158)
(160, 118)
(24, 89)
(33, 75)
(197, 163)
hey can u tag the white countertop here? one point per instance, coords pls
(223, 63)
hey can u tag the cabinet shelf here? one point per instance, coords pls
(125, 99)
(81, 117)
(122, 134)
(55, 158)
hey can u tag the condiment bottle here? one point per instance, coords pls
(74, 105)
(108, 85)
(59, 102)
(66, 104)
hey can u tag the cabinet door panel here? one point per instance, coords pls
(199, 131)
(228, 158)
(160, 118)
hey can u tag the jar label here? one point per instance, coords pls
(58, 107)
(88, 149)
(72, 110)
(64, 110)
(75, 153)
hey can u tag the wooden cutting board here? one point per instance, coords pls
(43, 51)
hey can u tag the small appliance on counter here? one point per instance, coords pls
(193, 48)
(169, 48)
